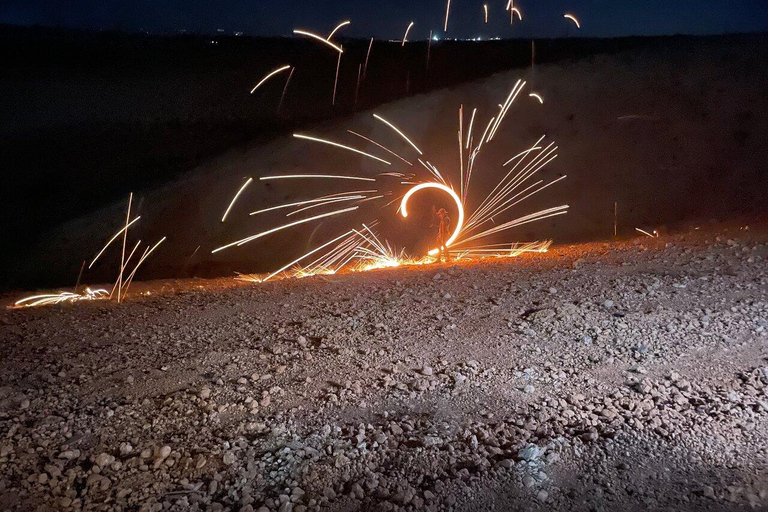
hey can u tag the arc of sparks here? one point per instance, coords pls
(405, 37)
(340, 25)
(270, 75)
(234, 199)
(297, 260)
(318, 38)
(285, 226)
(112, 240)
(342, 146)
(573, 19)
(537, 96)
(303, 176)
(450, 192)
(399, 132)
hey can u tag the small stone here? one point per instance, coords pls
(229, 459)
(69, 454)
(531, 452)
(426, 370)
(104, 459)
(205, 393)
(125, 449)
(542, 495)
(608, 303)
(529, 388)
(163, 453)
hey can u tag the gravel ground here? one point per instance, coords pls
(631, 375)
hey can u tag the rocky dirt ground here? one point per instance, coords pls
(630, 375)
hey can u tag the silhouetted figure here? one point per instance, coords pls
(443, 234)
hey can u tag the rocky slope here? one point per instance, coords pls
(631, 375)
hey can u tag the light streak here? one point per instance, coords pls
(573, 18)
(447, 13)
(112, 240)
(57, 298)
(367, 56)
(644, 232)
(318, 38)
(485, 9)
(324, 203)
(310, 201)
(471, 123)
(270, 75)
(297, 260)
(340, 25)
(336, 80)
(285, 90)
(324, 176)
(280, 228)
(119, 283)
(141, 260)
(380, 146)
(447, 190)
(234, 199)
(405, 37)
(342, 146)
(397, 130)
(514, 11)
(538, 97)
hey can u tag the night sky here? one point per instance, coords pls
(388, 18)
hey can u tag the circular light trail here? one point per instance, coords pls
(450, 192)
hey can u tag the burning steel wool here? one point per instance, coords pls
(361, 246)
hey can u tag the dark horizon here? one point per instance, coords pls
(390, 18)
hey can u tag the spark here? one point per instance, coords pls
(311, 201)
(297, 260)
(119, 283)
(285, 90)
(340, 25)
(342, 146)
(324, 176)
(324, 203)
(141, 260)
(471, 123)
(515, 10)
(336, 80)
(405, 37)
(447, 190)
(280, 228)
(505, 108)
(381, 146)
(397, 130)
(112, 240)
(367, 56)
(234, 199)
(646, 233)
(538, 97)
(57, 298)
(270, 75)
(318, 38)
(485, 9)
(447, 13)
(573, 18)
